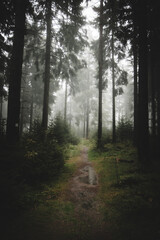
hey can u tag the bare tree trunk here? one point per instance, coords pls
(65, 102)
(87, 120)
(13, 120)
(100, 75)
(135, 137)
(84, 124)
(31, 114)
(1, 97)
(113, 94)
(143, 137)
(47, 67)
(113, 81)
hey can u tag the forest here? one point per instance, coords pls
(80, 119)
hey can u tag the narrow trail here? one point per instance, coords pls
(83, 189)
(74, 215)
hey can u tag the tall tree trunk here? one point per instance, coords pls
(13, 120)
(135, 137)
(158, 111)
(143, 137)
(87, 119)
(135, 64)
(31, 114)
(100, 75)
(1, 99)
(113, 80)
(47, 67)
(65, 102)
(113, 94)
(84, 124)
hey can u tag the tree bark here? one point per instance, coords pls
(84, 124)
(135, 137)
(47, 67)
(113, 94)
(13, 120)
(100, 75)
(31, 114)
(65, 102)
(113, 80)
(143, 146)
(87, 119)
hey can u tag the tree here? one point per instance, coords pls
(13, 120)
(47, 66)
(143, 145)
(100, 62)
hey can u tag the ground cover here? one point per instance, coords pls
(130, 193)
(123, 201)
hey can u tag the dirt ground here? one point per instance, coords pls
(82, 191)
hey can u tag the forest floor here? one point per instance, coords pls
(71, 210)
(103, 195)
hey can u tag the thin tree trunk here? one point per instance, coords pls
(113, 82)
(158, 115)
(87, 120)
(13, 120)
(113, 94)
(84, 125)
(65, 102)
(22, 118)
(135, 137)
(47, 67)
(1, 99)
(100, 75)
(31, 114)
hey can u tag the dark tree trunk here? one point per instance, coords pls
(84, 124)
(113, 91)
(13, 120)
(1, 99)
(65, 101)
(158, 112)
(87, 119)
(21, 119)
(143, 145)
(47, 67)
(31, 114)
(135, 140)
(100, 75)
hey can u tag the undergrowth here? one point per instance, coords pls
(40, 208)
(130, 194)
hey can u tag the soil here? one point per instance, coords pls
(83, 192)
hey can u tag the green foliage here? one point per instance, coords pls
(129, 194)
(106, 137)
(42, 161)
(124, 130)
(60, 131)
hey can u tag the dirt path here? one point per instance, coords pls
(75, 215)
(83, 188)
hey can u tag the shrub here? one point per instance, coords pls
(42, 161)
(60, 131)
(124, 130)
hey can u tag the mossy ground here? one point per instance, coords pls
(130, 193)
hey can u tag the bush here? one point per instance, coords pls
(60, 131)
(42, 161)
(124, 130)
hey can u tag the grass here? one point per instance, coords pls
(130, 196)
(42, 209)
